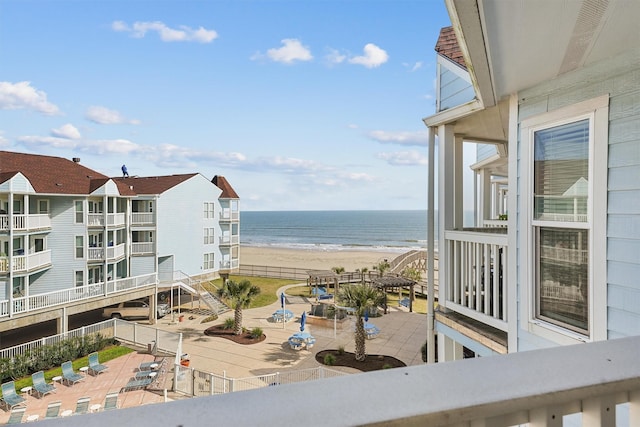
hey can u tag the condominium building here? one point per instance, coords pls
(73, 239)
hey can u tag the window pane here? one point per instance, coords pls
(563, 280)
(561, 172)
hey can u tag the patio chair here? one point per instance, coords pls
(9, 396)
(95, 367)
(16, 416)
(53, 409)
(69, 375)
(111, 401)
(295, 344)
(40, 385)
(82, 406)
(144, 374)
(135, 384)
(147, 366)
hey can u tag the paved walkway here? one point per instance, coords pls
(402, 335)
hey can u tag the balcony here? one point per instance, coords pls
(227, 215)
(26, 222)
(112, 252)
(113, 219)
(79, 293)
(140, 248)
(229, 264)
(473, 281)
(229, 240)
(143, 218)
(25, 263)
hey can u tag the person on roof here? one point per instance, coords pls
(124, 171)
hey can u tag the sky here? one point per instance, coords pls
(301, 105)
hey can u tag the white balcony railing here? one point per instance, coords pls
(227, 264)
(26, 222)
(474, 282)
(143, 248)
(95, 220)
(229, 240)
(140, 218)
(65, 296)
(229, 215)
(22, 263)
(592, 385)
(116, 219)
(112, 252)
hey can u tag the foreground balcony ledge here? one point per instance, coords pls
(492, 391)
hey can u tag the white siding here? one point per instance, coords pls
(181, 224)
(620, 78)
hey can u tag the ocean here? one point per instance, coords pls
(385, 231)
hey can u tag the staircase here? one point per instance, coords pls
(215, 305)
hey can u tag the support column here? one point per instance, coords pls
(485, 195)
(431, 235)
(62, 322)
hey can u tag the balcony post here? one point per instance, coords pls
(599, 411)
(431, 234)
(548, 416)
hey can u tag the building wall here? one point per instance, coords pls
(620, 78)
(454, 85)
(61, 242)
(181, 223)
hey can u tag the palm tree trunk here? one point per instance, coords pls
(360, 340)
(237, 328)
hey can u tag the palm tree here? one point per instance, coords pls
(361, 298)
(240, 295)
(382, 267)
(338, 270)
(362, 272)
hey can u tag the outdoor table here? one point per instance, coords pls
(95, 407)
(282, 315)
(33, 417)
(57, 379)
(303, 337)
(66, 413)
(26, 390)
(84, 370)
(371, 330)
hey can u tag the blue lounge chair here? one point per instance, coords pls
(147, 366)
(69, 375)
(95, 367)
(9, 396)
(137, 384)
(111, 401)
(40, 385)
(53, 409)
(82, 406)
(16, 416)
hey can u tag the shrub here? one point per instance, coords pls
(386, 366)
(341, 350)
(329, 359)
(423, 349)
(256, 332)
(229, 323)
(210, 318)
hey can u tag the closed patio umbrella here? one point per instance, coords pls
(303, 320)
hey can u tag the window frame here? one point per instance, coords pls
(76, 247)
(597, 111)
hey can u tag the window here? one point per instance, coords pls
(208, 262)
(567, 212)
(79, 246)
(95, 206)
(43, 206)
(79, 212)
(209, 210)
(18, 287)
(209, 237)
(38, 244)
(79, 278)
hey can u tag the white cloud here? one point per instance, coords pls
(67, 131)
(416, 66)
(356, 176)
(403, 158)
(291, 51)
(4, 142)
(182, 34)
(400, 138)
(105, 116)
(21, 95)
(373, 56)
(335, 57)
(352, 126)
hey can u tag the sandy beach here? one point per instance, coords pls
(312, 259)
